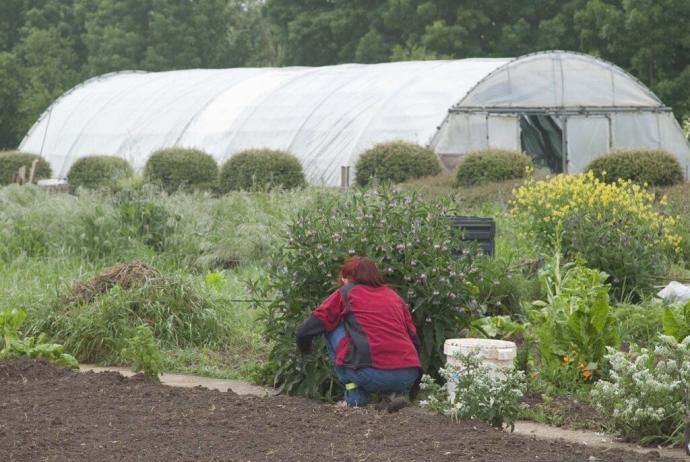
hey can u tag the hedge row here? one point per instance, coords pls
(396, 161)
(491, 165)
(651, 166)
(190, 169)
(12, 161)
(96, 172)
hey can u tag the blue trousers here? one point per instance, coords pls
(368, 379)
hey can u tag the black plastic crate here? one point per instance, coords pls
(481, 230)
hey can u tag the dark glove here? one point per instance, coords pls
(305, 344)
(306, 331)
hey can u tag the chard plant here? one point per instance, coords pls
(676, 321)
(575, 325)
(14, 345)
(412, 243)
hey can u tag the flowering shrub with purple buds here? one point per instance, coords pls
(412, 243)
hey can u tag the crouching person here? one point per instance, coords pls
(369, 335)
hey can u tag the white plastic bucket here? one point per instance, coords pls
(497, 355)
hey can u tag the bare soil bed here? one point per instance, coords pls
(49, 413)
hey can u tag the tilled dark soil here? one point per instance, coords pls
(54, 414)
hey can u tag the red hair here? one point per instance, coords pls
(361, 270)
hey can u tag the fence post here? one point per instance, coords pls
(344, 176)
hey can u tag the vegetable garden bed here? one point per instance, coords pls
(50, 413)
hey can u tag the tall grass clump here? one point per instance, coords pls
(97, 172)
(235, 229)
(396, 161)
(261, 169)
(94, 318)
(12, 161)
(178, 168)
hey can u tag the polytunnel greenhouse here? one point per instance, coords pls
(562, 108)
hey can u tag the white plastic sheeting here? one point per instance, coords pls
(600, 105)
(588, 136)
(560, 79)
(326, 116)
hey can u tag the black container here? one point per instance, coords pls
(481, 230)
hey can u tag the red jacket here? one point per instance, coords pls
(379, 330)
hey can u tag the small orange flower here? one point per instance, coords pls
(581, 365)
(586, 374)
(566, 360)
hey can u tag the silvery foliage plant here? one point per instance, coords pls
(480, 393)
(646, 395)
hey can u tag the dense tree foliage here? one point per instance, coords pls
(47, 46)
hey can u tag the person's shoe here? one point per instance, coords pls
(398, 401)
(392, 402)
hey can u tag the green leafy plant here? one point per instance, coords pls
(261, 169)
(142, 352)
(651, 167)
(97, 172)
(479, 393)
(16, 346)
(490, 165)
(396, 161)
(412, 243)
(12, 161)
(645, 397)
(178, 168)
(639, 324)
(676, 321)
(503, 288)
(497, 327)
(575, 325)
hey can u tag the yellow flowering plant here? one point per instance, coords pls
(614, 227)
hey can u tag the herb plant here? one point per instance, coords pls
(143, 354)
(646, 396)
(478, 393)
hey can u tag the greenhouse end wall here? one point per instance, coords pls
(585, 134)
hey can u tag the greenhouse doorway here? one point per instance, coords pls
(541, 136)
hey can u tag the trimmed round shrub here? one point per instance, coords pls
(651, 166)
(492, 165)
(180, 168)
(96, 172)
(12, 161)
(262, 168)
(396, 161)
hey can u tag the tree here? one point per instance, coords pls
(10, 100)
(649, 38)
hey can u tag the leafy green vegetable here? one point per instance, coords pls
(14, 346)
(676, 321)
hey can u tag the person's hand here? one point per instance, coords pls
(305, 345)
